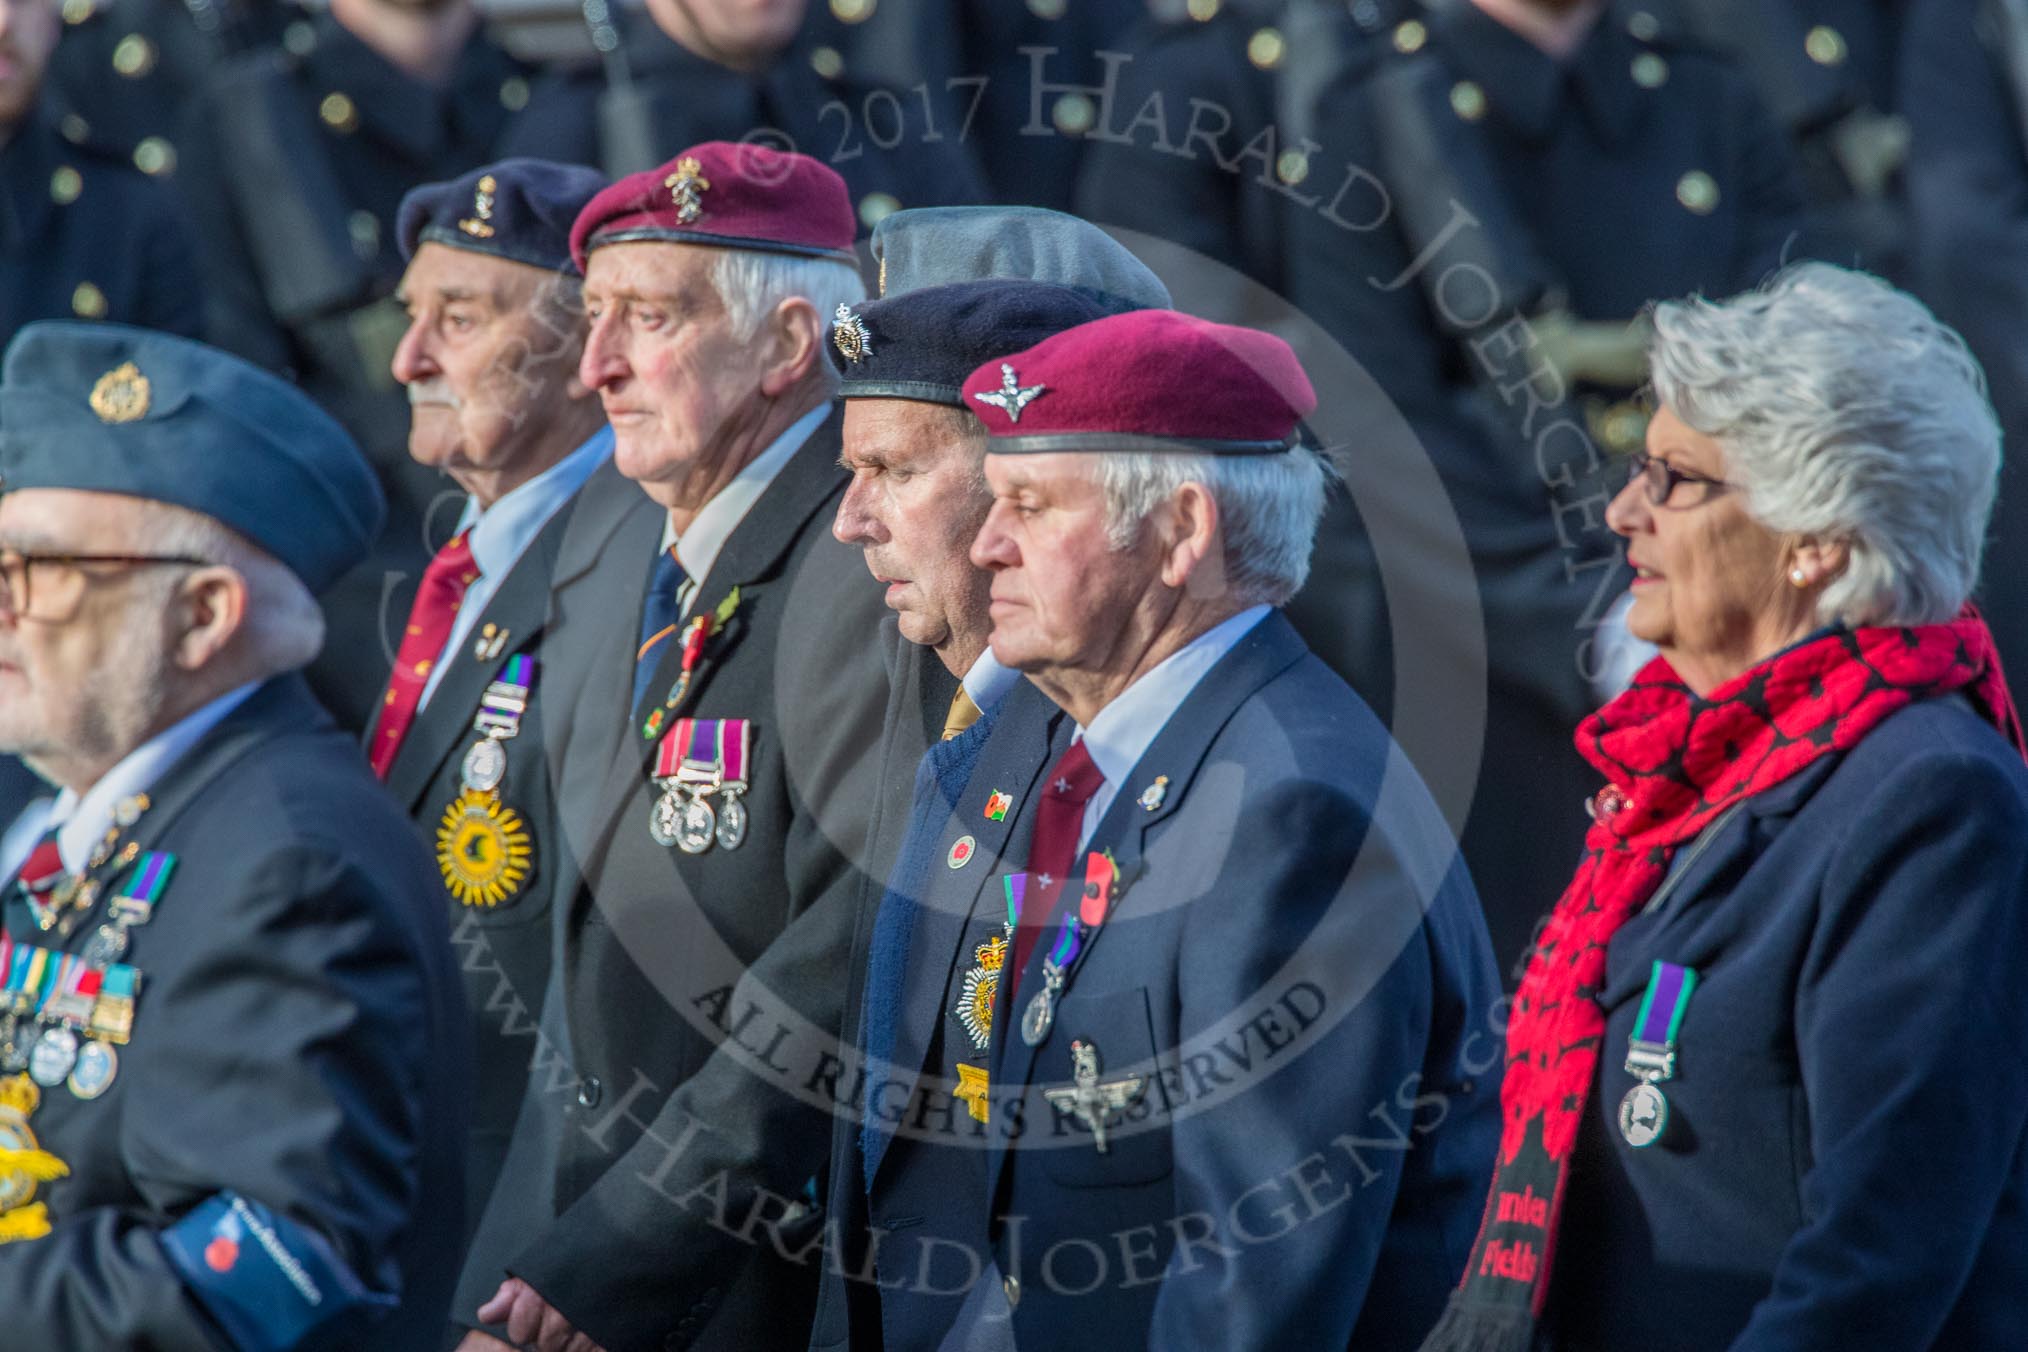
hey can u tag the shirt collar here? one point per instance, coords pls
(86, 818)
(1121, 733)
(699, 546)
(989, 680)
(500, 533)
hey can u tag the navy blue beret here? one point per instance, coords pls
(922, 345)
(520, 210)
(113, 409)
(936, 246)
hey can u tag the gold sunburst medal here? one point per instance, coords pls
(24, 1165)
(483, 849)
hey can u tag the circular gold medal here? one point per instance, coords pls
(483, 849)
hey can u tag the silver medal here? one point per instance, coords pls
(485, 765)
(14, 1045)
(1035, 1019)
(666, 820)
(732, 822)
(54, 1055)
(97, 1065)
(106, 946)
(1644, 1115)
(697, 827)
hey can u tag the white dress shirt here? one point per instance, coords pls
(714, 524)
(502, 533)
(82, 820)
(1121, 733)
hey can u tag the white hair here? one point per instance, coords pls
(752, 282)
(1268, 507)
(283, 629)
(1847, 411)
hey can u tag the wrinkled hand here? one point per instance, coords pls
(478, 1340)
(532, 1321)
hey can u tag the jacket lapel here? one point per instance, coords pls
(1177, 753)
(519, 607)
(752, 553)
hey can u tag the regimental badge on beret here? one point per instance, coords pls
(121, 396)
(1012, 396)
(848, 332)
(686, 188)
(479, 225)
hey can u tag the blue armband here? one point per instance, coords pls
(267, 1281)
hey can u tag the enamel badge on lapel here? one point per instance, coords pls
(1152, 796)
(485, 850)
(492, 641)
(997, 805)
(701, 757)
(961, 853)
(1090, 1101)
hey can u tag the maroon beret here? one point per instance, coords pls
(733, 195)
(1149, 380)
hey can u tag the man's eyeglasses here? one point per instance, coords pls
(62, 577)
(1660, 479)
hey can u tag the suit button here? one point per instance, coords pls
(1012, 1286)
(589, 1092)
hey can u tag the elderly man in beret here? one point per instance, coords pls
(721, 821)
(1234, 1100)
(958, 285)
(464, 736)
(234, 1064)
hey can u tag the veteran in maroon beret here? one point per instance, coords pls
(714, 785)
(1235, 1096)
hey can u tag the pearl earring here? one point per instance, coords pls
(1799, 577)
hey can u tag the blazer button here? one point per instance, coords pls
(1012, 1286)
(589, 1092)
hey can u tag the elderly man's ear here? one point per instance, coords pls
(1193, 551)
(793, 343)
(208, 613)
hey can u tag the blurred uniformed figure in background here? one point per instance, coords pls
(1825, 70)
(82, 235)
(1503, 186)
(296, 160)
(1965, 92)
(127, 69)
(683, 71)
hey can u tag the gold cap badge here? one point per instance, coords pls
(687, 186)
(121, 396)
(479, 225)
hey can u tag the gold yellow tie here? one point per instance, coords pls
(963, 714)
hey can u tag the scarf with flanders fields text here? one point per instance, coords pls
(1673, 762)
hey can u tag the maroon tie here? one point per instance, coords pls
(1059, 821)
(429, 627)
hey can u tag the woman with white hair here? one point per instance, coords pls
(1766, 1081)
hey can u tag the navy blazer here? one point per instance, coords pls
(1296, 964)
(1844, 1165)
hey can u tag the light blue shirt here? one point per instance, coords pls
(990, 680)
(714, 524)
(1121, 733)
(83, 819)
(502, 533)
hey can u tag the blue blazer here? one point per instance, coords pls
(1296, 967)
(910, 1166)
(1845, 1162)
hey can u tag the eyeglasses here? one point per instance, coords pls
(63, 578)
(1661, 479)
